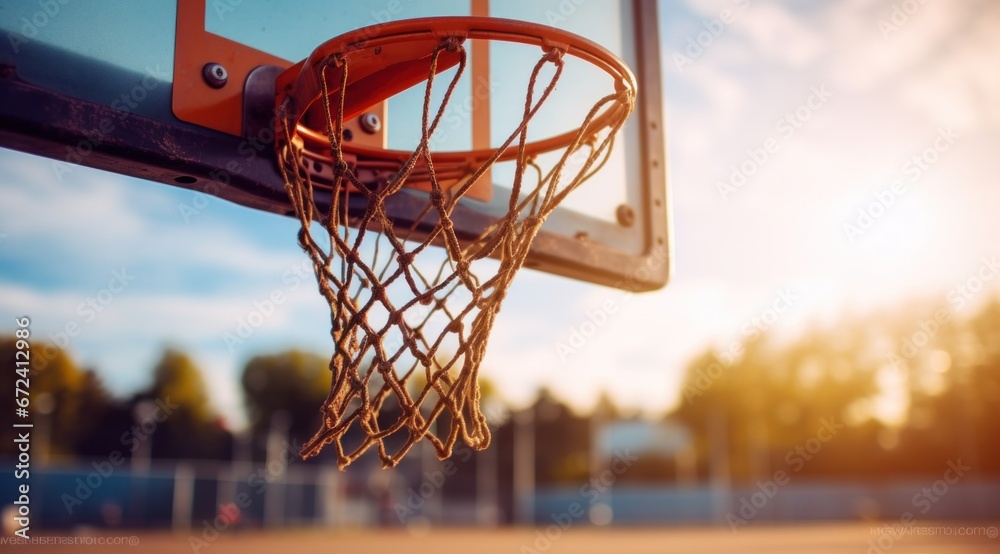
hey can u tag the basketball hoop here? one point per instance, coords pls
(399, 307)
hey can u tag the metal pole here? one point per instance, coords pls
(274, 494)
(428, 464)
(183, 498)
(718, 436)
(524, 466)
(486, 487)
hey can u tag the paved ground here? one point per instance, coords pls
(819, 539)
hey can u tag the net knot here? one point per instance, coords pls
(554, 54)
(336, 60)
(453, 43)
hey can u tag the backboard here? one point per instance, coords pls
(183, 93)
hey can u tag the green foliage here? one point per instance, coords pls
(292, 382)
(773, 398)
(54, 380)
(765, 403)
(178, 379)
(190, 428)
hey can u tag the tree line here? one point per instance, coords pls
(898, 393)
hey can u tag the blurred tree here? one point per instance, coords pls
(177, 409)
(109, 416)
(177, 377)
(757, 409)
(562, 442)
(956, 393)
(57, 388)
(291, 382)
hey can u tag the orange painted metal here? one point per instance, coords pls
(481, 89)
(221, 108)
(378, 52)
(386, 60)
(194, 100)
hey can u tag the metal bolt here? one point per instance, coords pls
(625, 215)
(370, 123)
(215, 75)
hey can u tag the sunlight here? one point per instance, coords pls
(933, 379)
(893, 402)
(898, 232)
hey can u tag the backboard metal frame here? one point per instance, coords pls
(37, 119)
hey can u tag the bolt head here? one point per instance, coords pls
(625, 215)
(215, 75)
(370, 123)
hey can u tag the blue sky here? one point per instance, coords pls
(869, 97)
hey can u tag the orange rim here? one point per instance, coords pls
(381, 60)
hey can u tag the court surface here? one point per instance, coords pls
(822, 539)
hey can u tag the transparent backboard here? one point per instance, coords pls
(110, 76)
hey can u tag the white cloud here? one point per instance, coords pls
(940, 61)
(775, 34)
(37, 203)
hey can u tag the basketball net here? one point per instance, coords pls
(412, 309)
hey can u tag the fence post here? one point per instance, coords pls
(183, 498)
